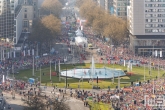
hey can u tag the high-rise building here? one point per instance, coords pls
(146, 19)
(109, 6)
(16, 17)
(7, 13)
(120, 8)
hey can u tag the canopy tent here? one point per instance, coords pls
(81, 41)
(78, 30)
(79, 33)
(31, 80)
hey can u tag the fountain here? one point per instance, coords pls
(93, 73)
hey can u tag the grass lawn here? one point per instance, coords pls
(99, 106)
(73, 83)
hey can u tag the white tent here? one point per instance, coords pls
(81, 41)
(79, 34)
(78, 30)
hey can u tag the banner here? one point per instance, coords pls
(29, 52)
(32, 51)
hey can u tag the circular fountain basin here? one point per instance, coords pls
(101, 73)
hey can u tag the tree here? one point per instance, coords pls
(102, 23)
(116, 30)
(56, 104)
(52, 23)
(39, 32)
(35, 103)
(51, 7)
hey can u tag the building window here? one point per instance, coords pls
(25, 23)
(25, 15)
(25, 9)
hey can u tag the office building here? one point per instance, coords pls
(146, 19)
(120, 8)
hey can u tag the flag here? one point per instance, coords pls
(29, 52)
(14, 54)
(59, 66)
(8, 54)
(160, 53)
(32, 51)
(156, 53)
(24, 53)
(55, 65)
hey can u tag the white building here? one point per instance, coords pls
(147, 26)
(120, 7)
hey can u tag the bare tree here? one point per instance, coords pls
(52, 23)
(57, 104)
(35, 103)
(51, 7)
(39, 32)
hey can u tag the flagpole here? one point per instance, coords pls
(33, 62)
(59, 71)
(144, 73)
(33, 65)
(153, 86)
(55, 66)
(50, 70)
(40, 74)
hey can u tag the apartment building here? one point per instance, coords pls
(146, 20)
(15, 17)
(109, 6)
(30, 13)
(120, 8)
